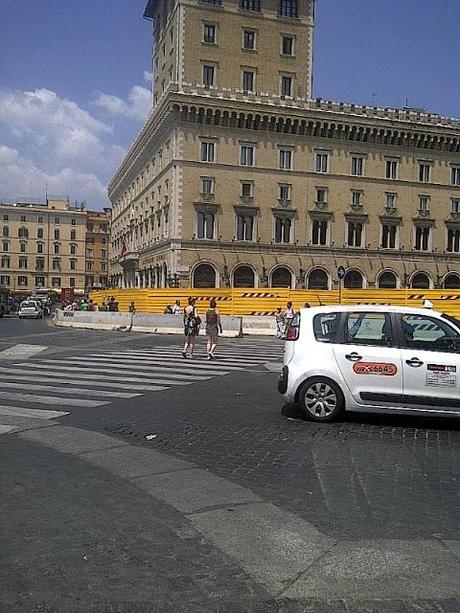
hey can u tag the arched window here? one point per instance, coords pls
(387, 280)
(281, 277)
(353, 280)
(452, 281)
(243, 276)
(420, 281)
(317, 279)
(204, 275)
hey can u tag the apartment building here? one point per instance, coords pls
(97, 249)
(42, 246)
(239, 178)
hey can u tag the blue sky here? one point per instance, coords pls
(74, 79)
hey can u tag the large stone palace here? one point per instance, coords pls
(240, 178)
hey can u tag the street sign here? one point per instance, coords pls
(340, 272)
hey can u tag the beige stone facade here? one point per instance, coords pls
(97, 249)
(42, 246)
(231, 185)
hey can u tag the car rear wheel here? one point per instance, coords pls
(321, 399)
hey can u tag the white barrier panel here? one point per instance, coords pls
(98, 320)
(254, 325)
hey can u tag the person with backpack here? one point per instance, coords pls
(191, 327)
(213, 327)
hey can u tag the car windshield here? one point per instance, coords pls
(452, 320)
(27, 305)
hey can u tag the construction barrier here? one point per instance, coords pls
(137, 322)
(263, 302)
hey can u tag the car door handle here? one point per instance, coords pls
(414, 362)
(353, 357)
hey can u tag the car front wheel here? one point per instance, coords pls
(321, 399)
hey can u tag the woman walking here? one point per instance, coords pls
(191, 327)
(213, 327)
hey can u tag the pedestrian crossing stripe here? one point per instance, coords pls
(93, 380)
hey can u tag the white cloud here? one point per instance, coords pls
(137, 106)
(21, 178)
(148, 76)
(49, 140)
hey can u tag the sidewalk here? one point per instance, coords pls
(93, 523)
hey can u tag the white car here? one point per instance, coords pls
(30, 308)
(373, 359)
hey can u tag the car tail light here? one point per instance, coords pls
(293, 329)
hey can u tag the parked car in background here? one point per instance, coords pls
(30, 308)
(372, 358)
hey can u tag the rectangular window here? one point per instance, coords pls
(285, 159)
(5, 217)
(319, 232)
(322, 162)
(40, 264)
(40, 219)
(4, 280)
(57, 249)
(73, 222)
(287, 8)
(244, 227)
(453, 240)
(205, 225)
(89, 266)
(422, 238)
(39, 247)
(56, 281)
(321, 195)
(424, 172)
(390, 201)
(73, 249)
(286, 86)
(356, 199)
(355, 234)
(208, 75)
(5, 261)
(247, 155)
(455, 206)
(357, 165)
(209, 33)
(6, 246)
(23, 218)
(22, 247)
(389, 236)
(455, 175)
(207, 187)
(249, 40)
(424, 204)
(72, 282)
(391, 169)
(73, 264)
(56, 235)
(207, 151)
(73, 235)
(56, 220)
(246, 189)
(56, 264)
(40, 233)
(284, 193)
(5, 231)
(287, 45)
(22, 262)
(250, 5)
(39, 281)
(22, 281)
(23, 233)
(247, 80)
(283, 229)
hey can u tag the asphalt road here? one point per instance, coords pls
(134, 480)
